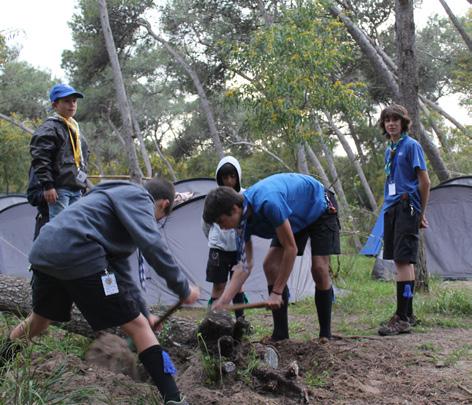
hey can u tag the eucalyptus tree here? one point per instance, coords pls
(457, 24)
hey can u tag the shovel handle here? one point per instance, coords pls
(168, 313)
(235, 307)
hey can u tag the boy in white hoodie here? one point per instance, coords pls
(222, 243)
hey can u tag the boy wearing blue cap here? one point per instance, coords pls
(59, 152)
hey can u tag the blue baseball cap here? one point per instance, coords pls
(63, 90)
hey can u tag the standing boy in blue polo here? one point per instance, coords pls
(288, 208)
(59, 152)
(406, 195)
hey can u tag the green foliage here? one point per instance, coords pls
(22, 384)
(24, 90)
(210, 363)
(14, 158)
(295, 68)
(253, 362)
(314, 380)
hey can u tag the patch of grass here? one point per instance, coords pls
(252, 363)
(60, 341)
(314, 380)
(461, 353)
(427, 347)
(210, 364)
(22, 383)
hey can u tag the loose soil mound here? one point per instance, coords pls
(426, 368)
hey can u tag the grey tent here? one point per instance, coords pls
(17, 220)
(183, 234)
(448, 238)
(8, 200)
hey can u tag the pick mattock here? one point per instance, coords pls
(252, 305)
(168, 313)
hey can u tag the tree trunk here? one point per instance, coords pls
(122, 98)
(382, 69)
(356, 139)
(205, 104)
(317, 165)
(17, 124)
(302, 164)
(264, 149)
(343, 204)
(164, 159)
(15, 297)
(467, 39)
(450, 118)
(139, 135)
(441, 137)
(408, 78)
(355, 162)
(369, 51)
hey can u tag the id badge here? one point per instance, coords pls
(391, 189)
(81, 176)
(110, 286)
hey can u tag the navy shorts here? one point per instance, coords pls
(323, 234)
(53, 299)
(220, 264)
(401, 233)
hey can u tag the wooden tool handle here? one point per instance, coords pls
(235, 307)
(168, 313)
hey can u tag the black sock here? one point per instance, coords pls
(280, 316)
(8, 351)
(239, 298)
(154, 364)
(410, 302)
(324, 303)
(404, 296)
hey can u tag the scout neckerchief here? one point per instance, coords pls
(142, 270)
(74, 135)
(240, 239)
(393, 149)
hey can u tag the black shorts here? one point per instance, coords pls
(323, 234)
(53, 298)
(219, 265)
(401, 233)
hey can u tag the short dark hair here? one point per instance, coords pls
(161, 189)
(220, 201)
(395, 111)
(227, 169)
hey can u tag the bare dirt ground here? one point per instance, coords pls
(420, 368)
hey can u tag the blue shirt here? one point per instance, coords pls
(408, 157)
(296, 197)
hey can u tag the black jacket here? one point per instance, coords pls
(36, 199)
(53, 156)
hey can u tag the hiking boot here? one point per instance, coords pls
(394, 326)
(413, 320)
(322, 340)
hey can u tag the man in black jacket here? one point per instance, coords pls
(59, 152)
